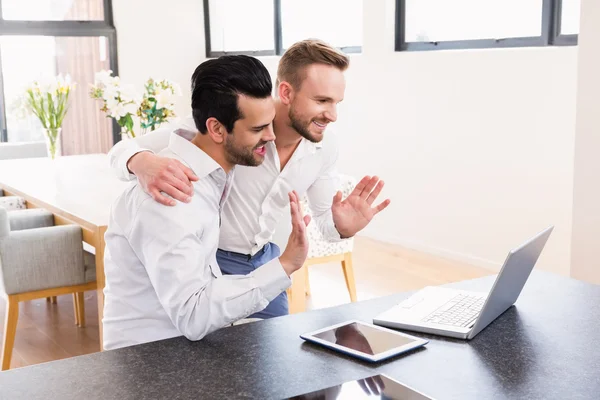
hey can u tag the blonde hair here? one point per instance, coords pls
(304, 53)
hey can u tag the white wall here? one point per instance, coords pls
(586, 193)
(163, 40)
(476, 147)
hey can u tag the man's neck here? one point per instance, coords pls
(286, 137)
(214, 151)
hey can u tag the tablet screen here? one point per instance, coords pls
(364, 338)
(371, 388)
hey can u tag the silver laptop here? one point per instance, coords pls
(463, 314)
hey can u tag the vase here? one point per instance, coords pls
(53, 142)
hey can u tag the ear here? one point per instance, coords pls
(285, 92)
(215, 130)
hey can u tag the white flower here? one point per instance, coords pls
(128, 93)
(121, 110)
(103, 77)
(110, 93)
(111, 104)
(47, 84)
(164, 99)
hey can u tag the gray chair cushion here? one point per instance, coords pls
(43, 258)
(9, 151)
(4, 224)
(30, 218)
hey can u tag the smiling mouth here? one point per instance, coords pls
(320, 124)
(260, 150)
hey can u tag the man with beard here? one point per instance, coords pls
(310, 84)
(162, 276)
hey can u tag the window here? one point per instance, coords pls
(41, 38)
(268, 27)
(242, 25)
(569, 17)
(441, 24)
(53, 10)
(322, 19)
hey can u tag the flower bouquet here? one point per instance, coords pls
(48, 100)
(121, 102)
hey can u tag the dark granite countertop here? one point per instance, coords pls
(547, 347)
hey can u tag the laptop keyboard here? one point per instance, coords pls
(461, 311)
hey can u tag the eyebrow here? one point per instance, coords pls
(326, 99)
(260, 126)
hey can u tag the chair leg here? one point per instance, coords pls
(10, 330)
(349, 276)
(76, 308)
(297, 300)
(307, 281)
(81, 309)
(53, 300)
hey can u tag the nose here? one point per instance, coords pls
(331, 113)
(269, 134)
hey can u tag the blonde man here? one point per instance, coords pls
(310, 84)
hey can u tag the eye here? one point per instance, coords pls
(321, 101)
(258, 130)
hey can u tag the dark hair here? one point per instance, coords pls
(216, 84)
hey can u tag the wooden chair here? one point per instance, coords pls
(39, 260)
(322, 251)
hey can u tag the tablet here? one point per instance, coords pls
(365, 341)
(372, 388)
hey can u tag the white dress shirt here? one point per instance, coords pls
(162, 277)
(259, 201)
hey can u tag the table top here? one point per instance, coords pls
(80, 186)
(544, 348)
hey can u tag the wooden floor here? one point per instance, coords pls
(47, 331)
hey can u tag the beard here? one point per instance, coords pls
(242, 155)
(303, 127)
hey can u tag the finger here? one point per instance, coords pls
(382, 206)
(337, 199)
(292, 207)
(296, 217)
(372, 386)
(161, 198)
(364, 387)
(188, 172)
(175, 188)
(360, 186)
(299, 204)
(369, 187)
(177, 175)
(375, 193)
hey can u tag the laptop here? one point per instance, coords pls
(463, 314)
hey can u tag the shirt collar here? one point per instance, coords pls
(306, 147)
(200, 162)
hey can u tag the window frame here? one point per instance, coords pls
(73, 28)
(550, 35)
(277, 34)
(559, 39)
